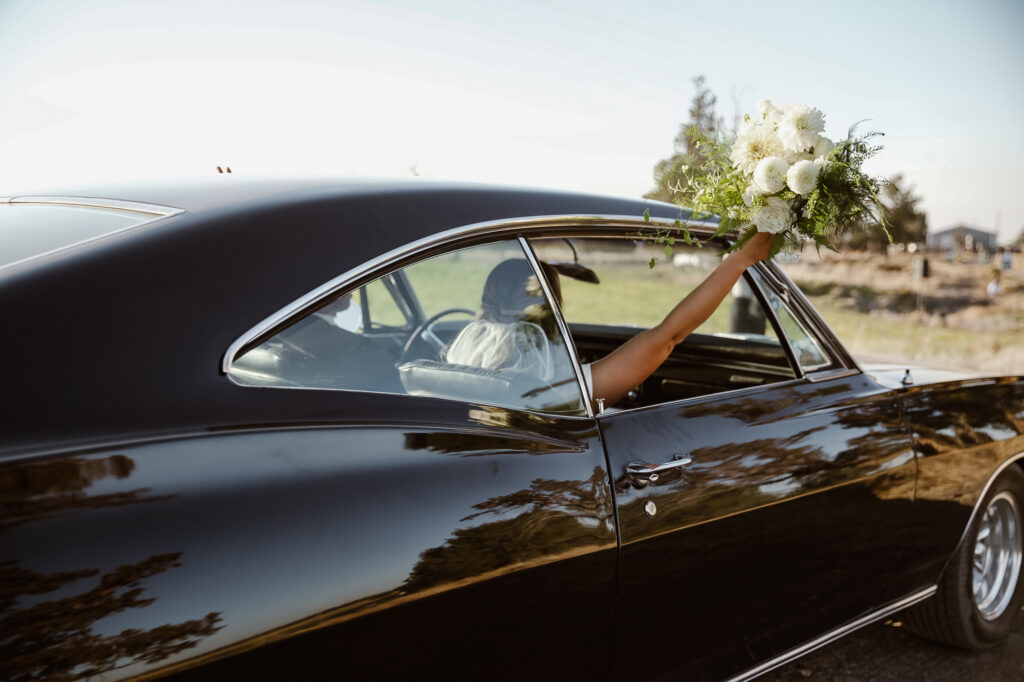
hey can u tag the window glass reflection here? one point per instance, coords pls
(472, 325)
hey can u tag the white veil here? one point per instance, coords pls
(521, 346)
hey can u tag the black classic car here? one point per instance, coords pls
(234, 445)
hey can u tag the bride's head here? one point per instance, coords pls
(512, 293)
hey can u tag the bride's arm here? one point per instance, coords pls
(632, 362)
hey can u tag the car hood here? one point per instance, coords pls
(895, 375)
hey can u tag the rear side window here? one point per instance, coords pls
(29, 230)
(472, 325)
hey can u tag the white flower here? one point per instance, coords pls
(748, 195)
(768, 111)
(775, 216)
(801, 127)
(823, 148)
(802, 177)
(753, 143)
(770, 174)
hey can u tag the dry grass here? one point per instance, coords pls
(882, 312)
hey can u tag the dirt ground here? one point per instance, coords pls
(882, 308)
(885, 652)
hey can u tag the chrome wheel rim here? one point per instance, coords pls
(997, 557)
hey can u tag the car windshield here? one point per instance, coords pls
(29, 230)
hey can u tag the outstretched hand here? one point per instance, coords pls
(756, 249)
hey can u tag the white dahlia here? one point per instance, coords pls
(753, 143)
(802, 177)
(801, 127)
(775, 216)
(770, 174)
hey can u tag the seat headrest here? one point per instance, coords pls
(492, 386)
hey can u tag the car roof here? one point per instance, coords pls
(224, 191)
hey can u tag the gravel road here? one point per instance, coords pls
(885, 652)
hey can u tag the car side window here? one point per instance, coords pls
(610, 292)
(806, 348)
(472, 324)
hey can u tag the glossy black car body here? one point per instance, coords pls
(160, 518)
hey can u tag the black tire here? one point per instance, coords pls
(953, 616)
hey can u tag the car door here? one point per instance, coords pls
(761, 486)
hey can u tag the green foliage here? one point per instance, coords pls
(667, 236)
(845, 201)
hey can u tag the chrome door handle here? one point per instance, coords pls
(653, 471)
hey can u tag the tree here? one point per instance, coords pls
(905, 221)
(57, 638)
(670, 173)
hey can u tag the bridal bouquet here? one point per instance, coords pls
(781, 175)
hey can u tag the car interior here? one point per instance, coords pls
(393, 332)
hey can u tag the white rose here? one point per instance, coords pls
(775, 216)
(800, 127)
(770, 174)
(753, 143)
(802, 177)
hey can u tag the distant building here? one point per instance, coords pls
(963, 237)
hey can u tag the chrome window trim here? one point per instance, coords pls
(89, 202)
(570, 345)
(835, 634)
(760, 281)
(504, 227)
(804, 311)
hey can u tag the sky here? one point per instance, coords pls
(574, 94)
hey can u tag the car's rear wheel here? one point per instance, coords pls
(980, 591)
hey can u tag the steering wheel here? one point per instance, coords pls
(426, 331)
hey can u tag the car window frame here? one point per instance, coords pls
(759, 283)
(844, 364)
(384, 268)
